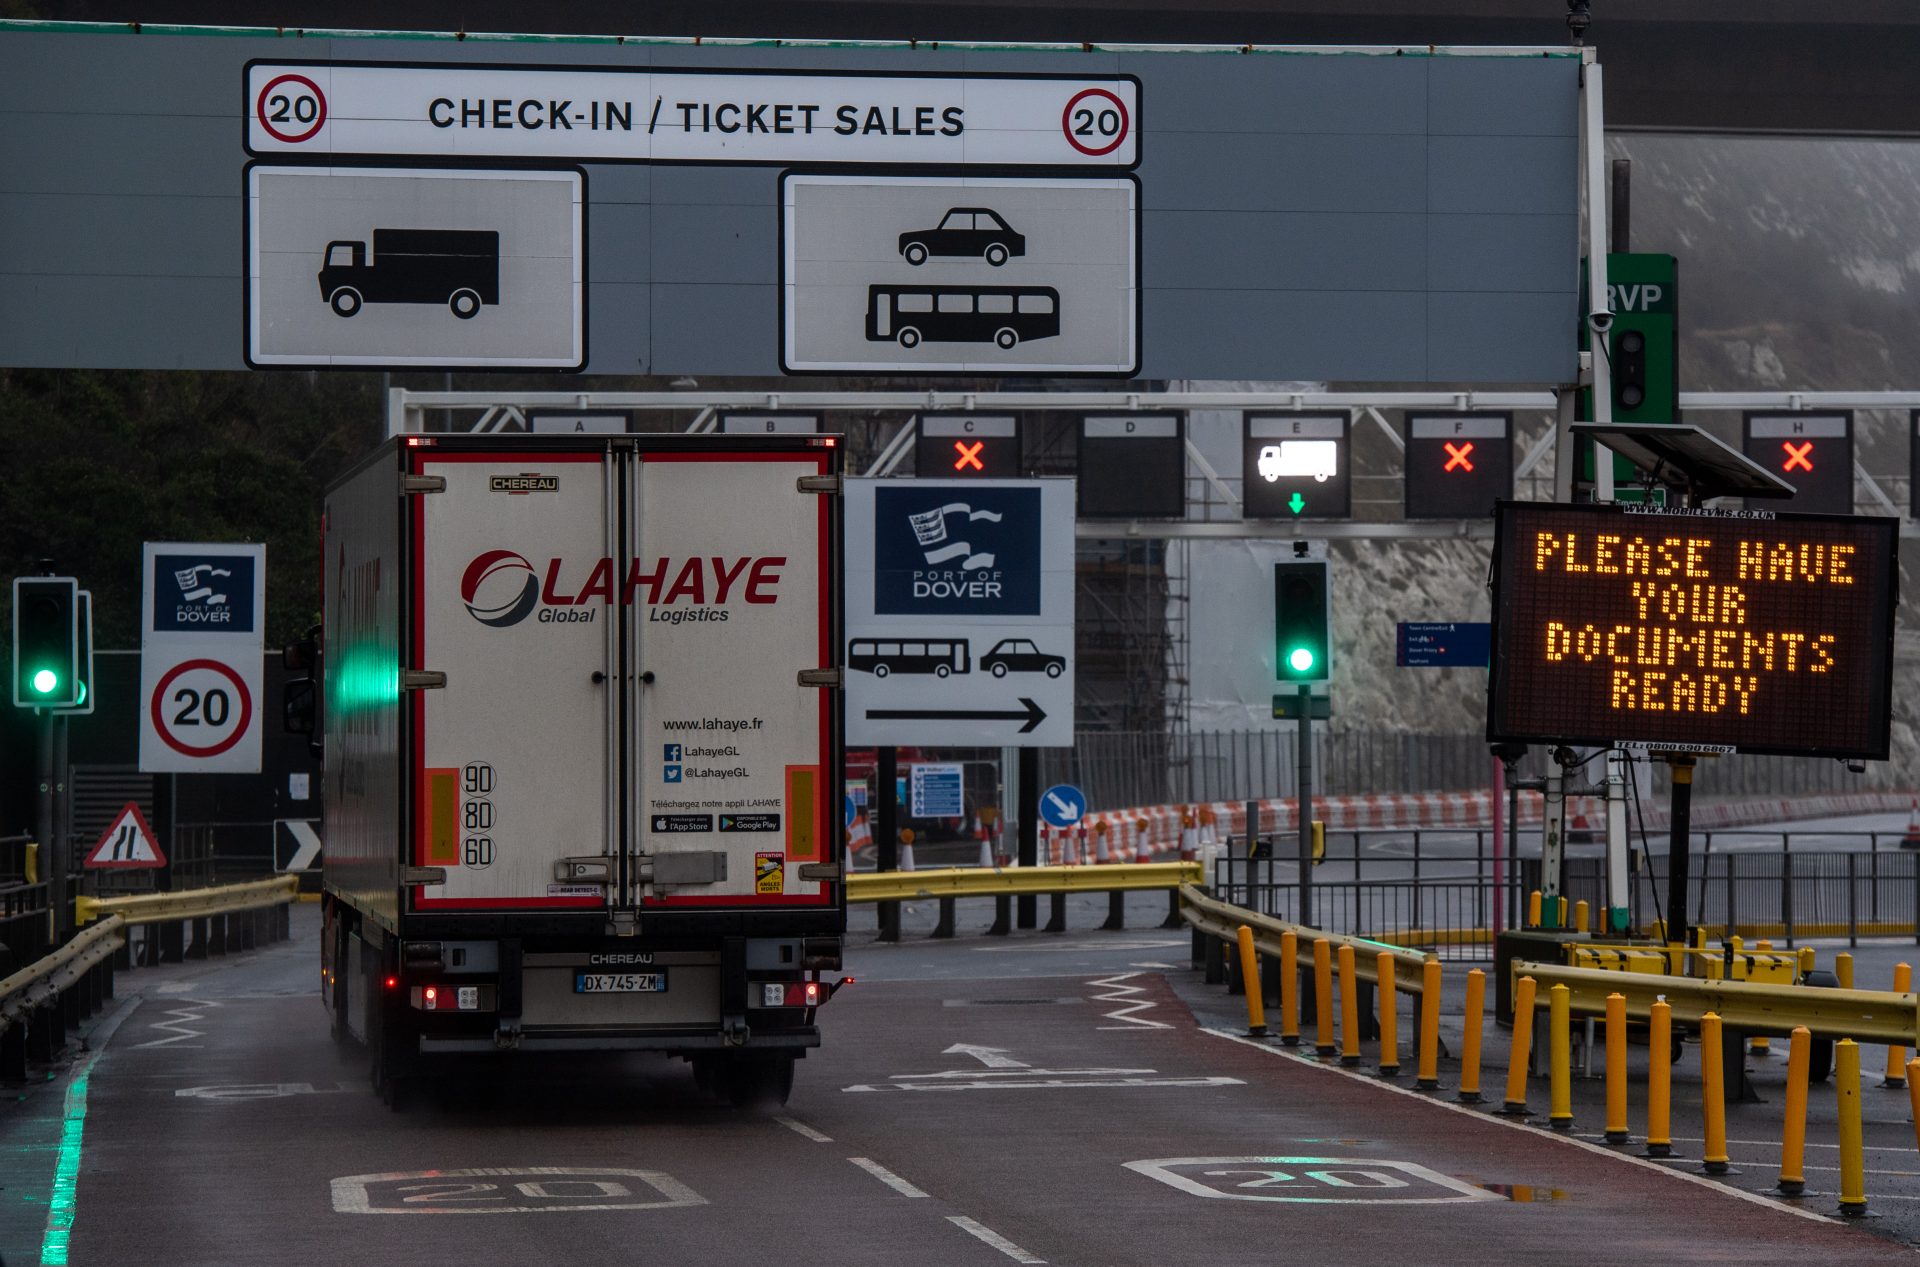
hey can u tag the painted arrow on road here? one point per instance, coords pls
(1031, 713)
(991, 1057)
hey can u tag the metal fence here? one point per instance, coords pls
(1439, 889)
(1118, 769)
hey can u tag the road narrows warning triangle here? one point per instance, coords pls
(128, 843)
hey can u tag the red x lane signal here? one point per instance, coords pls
(1797, 458)
(1457, 456)
(969, 455)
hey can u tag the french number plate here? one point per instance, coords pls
(619, 983)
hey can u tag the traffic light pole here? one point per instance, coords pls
(1304, 785)
(53, 854)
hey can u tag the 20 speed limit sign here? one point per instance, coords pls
(201, 708)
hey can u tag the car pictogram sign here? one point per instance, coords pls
(129, 843)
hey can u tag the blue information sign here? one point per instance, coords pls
(1443, 644)
(1063, 805)
(938, 790)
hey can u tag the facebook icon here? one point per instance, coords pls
(673, 752)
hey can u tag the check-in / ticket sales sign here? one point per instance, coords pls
(1709, 631)
(613, 115)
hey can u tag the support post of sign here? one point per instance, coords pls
(1027, 802)
(887, 826)
(1619, 895)
(1678, 845)
(53, 857)
(1553, 827)
(1305, 804)
(1500, 821)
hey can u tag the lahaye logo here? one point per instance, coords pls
(210, 593)
(499, 588)
(979, 554)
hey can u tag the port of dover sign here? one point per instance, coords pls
(960, 612)
(1710, 631)
(203, 618)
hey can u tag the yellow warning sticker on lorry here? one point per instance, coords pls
(769, 873)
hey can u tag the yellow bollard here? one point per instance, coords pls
(1389, 1016)
(1323, 998)
(1427, 1076)
(1616, 1069)
(1521, 1051)
(1660, 1080)
(1913, 1095)
(1560, 918)
(1560, 1058)
(1713, 1093)
(1533, 909)
(1897, 1056)
(1470, 1040)
(1290, 988)
(1853, 1165)
(1843, 970)
(1250, 977)
(1793, 1135)
(1807, 960)
(1580, 916)
(1349, 1009)
(1761, 1045)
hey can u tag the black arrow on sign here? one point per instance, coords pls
(1031, 714)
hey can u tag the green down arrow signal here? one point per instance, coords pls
(1296, 503)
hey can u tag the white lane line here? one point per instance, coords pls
(992, 1238)
(803, 1130)
(1702, 1181)
(886, 1176)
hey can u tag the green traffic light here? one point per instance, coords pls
(45, 681)
(1300, 659)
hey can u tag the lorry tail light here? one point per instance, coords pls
(393, 983)
(430, 997)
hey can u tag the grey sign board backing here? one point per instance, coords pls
(960, 274)
(415, 266)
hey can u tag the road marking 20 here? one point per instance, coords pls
(511, 1190)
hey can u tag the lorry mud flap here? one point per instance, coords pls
(509, 998)
(733, 991)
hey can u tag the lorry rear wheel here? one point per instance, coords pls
(747, 1081)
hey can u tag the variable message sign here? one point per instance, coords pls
(1692, 631)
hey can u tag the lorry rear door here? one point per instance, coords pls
(734, 599)
(515, 756)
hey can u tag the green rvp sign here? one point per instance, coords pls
(1643, 348)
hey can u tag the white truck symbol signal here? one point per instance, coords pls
(1299, 458)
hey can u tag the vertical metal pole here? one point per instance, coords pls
(1680, 843)
(1552, 840)
(1619, 894)
(1500, 820)
(1027, 805)
(1593, 138)
(53, 853)
(1304, 790)
(886, 822)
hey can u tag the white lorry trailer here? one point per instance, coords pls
(581, 733)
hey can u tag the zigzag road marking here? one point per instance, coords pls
(1120, 992)
(176, 1022)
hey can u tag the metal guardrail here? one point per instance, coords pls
(41, 983)
(147, 908)
(951, 882)
(1222, 920)
(1750, 1007)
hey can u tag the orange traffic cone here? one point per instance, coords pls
(1912, 839)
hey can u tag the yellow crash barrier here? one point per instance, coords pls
(1221, 920)
(1749, 1006)
(907, 886)
(146, 908)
